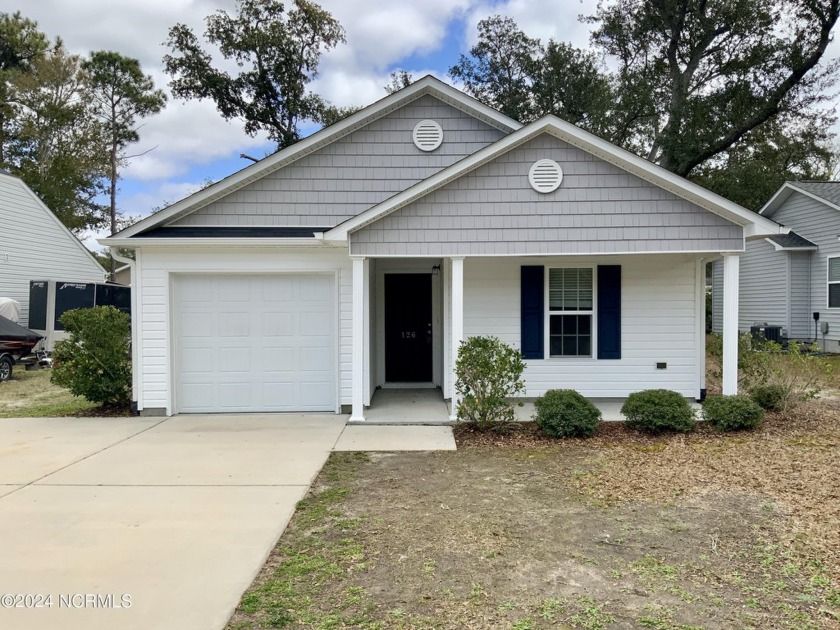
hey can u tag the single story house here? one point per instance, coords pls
(787, 279)
(360, 257)
(35, 245)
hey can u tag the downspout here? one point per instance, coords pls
(135, 346)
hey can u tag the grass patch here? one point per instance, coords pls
(31, 394)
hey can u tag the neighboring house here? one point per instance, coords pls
(361, 256)
(785, 279)
(35, 245)
(122, 275)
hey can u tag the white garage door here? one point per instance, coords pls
(255, 343)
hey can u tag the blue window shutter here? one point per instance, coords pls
(533, 312)
(609, 311)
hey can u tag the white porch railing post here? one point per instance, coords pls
(457, 324)
(731, 273)
(359, 338)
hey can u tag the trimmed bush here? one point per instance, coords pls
(95, 361)
(488, 372)
(658, 410)
(732, 413)
(565, 413)
(769, 397)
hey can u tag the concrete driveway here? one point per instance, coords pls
(140, 523)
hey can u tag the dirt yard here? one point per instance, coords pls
(619, 531)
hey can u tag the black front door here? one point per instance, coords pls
(408, 327)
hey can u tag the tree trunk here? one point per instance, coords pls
(113, 199)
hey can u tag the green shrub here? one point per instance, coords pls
(488, 372)
(732, 413)
(770, 397)
(565, 413)
(658, 410)
(95, 361)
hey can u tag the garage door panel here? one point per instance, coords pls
(319, 289)
(278, 324)
(196, 325)
(314, 323)
(271, 351)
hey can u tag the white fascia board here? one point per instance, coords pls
(362, 118)
(138, 243)
(754, 225)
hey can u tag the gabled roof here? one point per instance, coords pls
(36, 201)
(755, 225)
(827, 192)
(791, 241)
(428, 85)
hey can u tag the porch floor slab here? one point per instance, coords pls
(377, 437)
(407, 406)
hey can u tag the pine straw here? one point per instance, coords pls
(793, 460)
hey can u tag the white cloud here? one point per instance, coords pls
(544, 20)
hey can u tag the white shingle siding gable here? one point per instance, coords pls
(598, 209)
(35, 246)
(353, 173)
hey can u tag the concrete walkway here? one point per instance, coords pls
(135, 523)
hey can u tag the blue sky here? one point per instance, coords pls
(190, 143)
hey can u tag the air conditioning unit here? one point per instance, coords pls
(762, 331)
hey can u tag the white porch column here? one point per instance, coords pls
(360, 279)
(457, 324)
(731, 272)
(700, 311)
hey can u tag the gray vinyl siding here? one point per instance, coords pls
(34, 246)
(599, 208)
(717, 296)
(801, 322)
(820, 224)
(351, 174)
(764, 286)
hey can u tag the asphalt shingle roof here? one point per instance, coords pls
(791, 241)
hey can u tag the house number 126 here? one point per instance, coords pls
(409, 335)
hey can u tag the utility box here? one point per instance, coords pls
(50, 299)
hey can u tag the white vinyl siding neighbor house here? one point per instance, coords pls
(790, 277)
(35, 245)
(359, 258)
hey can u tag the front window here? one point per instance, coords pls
(834, 282)
(570, 308)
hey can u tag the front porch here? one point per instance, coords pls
(641, 326)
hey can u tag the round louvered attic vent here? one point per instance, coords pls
(545, 176)
(427, 135)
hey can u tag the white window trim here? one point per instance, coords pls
(593, 355)
(828, 282)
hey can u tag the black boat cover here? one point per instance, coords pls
(9, 331)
